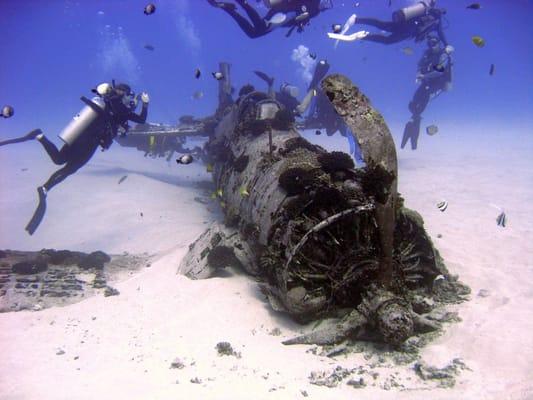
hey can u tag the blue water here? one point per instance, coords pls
(55, 51)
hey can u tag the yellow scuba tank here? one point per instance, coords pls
(80, 124)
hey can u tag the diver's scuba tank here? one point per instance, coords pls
(86, 118)
(273, 3)
(411, 12)
(289, 90)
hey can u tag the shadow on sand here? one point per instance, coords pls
(170, 179)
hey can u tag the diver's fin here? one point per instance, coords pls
(348, 38)
(411, 132)
(38, 215)
(347, 25)
(406, 134)
(29, 136)
(269, 80)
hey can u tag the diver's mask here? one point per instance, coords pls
(127, 96)
(289, 90)
(433, 44)
(129, 100)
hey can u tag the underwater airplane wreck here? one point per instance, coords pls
(326, 239)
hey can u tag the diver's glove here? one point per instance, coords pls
(104, 89)
(145, 98)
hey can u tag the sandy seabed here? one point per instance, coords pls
(122, 347)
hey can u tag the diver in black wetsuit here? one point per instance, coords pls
(96, 125)
(434, 76)
(121, 105)
(414, 22)
(292, 14)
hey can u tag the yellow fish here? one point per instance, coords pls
(222, 204)
(408, 51)
(244, 192)
(209, 168)
(478, 41)
(213, 195)
(151, 141)
(219, 193)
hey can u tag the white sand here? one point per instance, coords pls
(126, 351)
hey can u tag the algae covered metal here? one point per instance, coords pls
(324, 237)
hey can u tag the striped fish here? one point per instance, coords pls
(442, 206)
(501, 220)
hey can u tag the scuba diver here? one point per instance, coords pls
(414, 22)
(435, 76)
(322, 115)
(97, 124)
(288, 95)
(292, 14)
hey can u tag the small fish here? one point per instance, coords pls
(201, 200)
(213, 195)
(217, 75)
(390, 3)
(197, 73)
(474, 6)
(209, 168)
(442, 206)
(317, 132)
(198, 95)
(219, 192)
(149, 9)
(336, 28)
(313, 56)
(7, 111)
(357, 4)
(101, 13)
(501, 220)
(149, 47)
(142, 215)
(491, 71)
(432, 130)
(223, 204)
(24, 169)
(244, 192)
(122, 179)
(478, 41)
(408, 51)
(185, 159)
